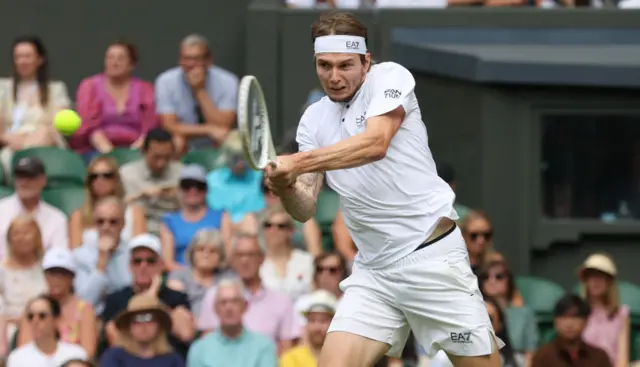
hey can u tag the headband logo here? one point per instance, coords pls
(353, 45)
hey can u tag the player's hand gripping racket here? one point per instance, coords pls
(253, 123)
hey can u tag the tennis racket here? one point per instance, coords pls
(253, 123)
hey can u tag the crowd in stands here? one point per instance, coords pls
(440, 4)
(165, 262)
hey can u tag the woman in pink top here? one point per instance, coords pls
(608, 325)
(117, 109)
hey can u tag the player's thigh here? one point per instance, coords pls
(491, 360)
(441, 299)
(366, 325)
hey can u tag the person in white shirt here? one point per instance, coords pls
(412, 268)
(46, 349)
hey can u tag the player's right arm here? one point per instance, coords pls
(301, 200)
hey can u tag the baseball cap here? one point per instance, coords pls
(59, 258)
(193, 172)
(322, 301)
(146, 240)
(29, 166)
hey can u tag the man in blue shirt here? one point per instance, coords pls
(196, 101)
(234, 187)
(231, 344)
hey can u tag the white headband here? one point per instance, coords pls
(340, 44)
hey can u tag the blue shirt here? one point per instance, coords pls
(174, 96)
(93, 285)
(184, 231)
(118, 357)
(238, 195)
(249, 350)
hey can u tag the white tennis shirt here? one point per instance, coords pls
(390, 206)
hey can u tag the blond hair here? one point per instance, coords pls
(489, 254)
(30, 220)
(611, 298)
(278, 209)
(86, 211)
(210, 238)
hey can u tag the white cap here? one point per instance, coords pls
(146, 240)
(59, 258)
(322, 301)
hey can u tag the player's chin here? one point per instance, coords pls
(340, 97)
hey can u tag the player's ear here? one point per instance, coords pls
(367, 61)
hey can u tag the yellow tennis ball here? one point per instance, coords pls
(67, 122)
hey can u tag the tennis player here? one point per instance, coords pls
(412, 269)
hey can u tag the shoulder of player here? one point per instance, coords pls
(385, 69)
(315, 110)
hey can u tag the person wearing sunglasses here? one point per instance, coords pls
(477, 231)
(498, 283)
(146, 267)
(46, 350)
(102, 180)
(78, 319)
(286, 269)
(178, 228)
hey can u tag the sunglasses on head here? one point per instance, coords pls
(110, 221)
(333, 270)
(486, 235)
(267, 225)
(192, 184)
(106, 175)
(148, 260)
(37, 315)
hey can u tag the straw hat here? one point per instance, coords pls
(145, 308)
(599, 262)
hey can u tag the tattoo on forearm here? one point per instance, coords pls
(302, 204)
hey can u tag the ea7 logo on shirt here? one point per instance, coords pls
(360, 122)
(353, 45)
(392, 93)
(461, 338)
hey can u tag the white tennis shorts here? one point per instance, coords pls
(432, 291)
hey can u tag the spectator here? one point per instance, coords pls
(232, 344)
(27, 111)
(414, 4)
(608, 326)
(78, 319)
(102, 263)
(568, 349)
(448, 174)
(306, 235)
(234, 187)
(30, 180)
(497, 282)
(206, 261)
(142, 336)
(478, 234)
(330, 270)
(323, 4)
(78, 363)
(497, 316)
(318, 313)
(270, 312)
(21, 277)
(178, 228)
(146, 266)
(46, 349)
(152, 182)
(285, 268)
(197, 101)
(103, 179)
(342, 240)
(117, 109)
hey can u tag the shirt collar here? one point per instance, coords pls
(18, 202)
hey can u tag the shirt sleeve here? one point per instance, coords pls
(59, 96)
(89, 283)
(163, 96)
(229, 99)
(305, 135)
(392, 86)
(207, 320)
(289, 327)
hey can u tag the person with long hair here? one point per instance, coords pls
(46, 349)
(29, 100)
(78, 318)
(477, 231)
(498, 283)
(103, 180)
(499, 324)
(21, 277)
(608, 326)
(142, 336)
(117, 109)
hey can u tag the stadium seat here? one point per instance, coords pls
(328, 204)
(207, 158)
(5, 191)
(66, 199)
(540, 295)
(64, 167)
(124, 155)
(3, 177)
